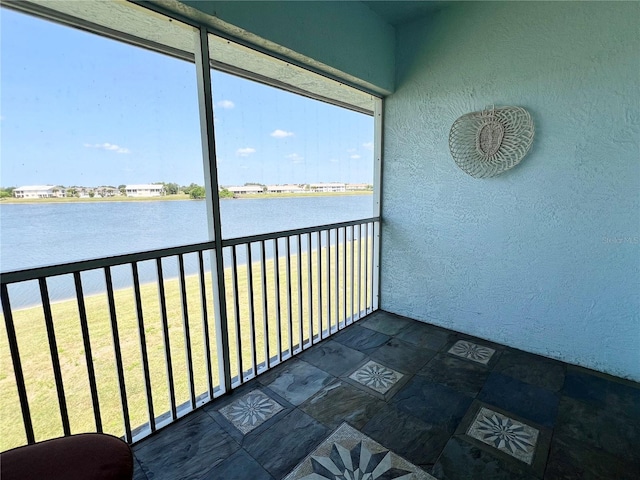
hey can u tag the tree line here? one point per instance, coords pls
(6, 192)
(194, 190)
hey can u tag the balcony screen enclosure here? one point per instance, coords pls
(137, 310)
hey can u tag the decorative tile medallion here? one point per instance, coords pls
(505, 434)
(472, 351)
(377, 377)
(348, 454)
(251, 410)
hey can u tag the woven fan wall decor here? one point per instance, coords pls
(485, 144)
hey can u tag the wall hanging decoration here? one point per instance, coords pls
(485, 144)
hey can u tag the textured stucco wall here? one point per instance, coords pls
(342, 35)
(545, 257)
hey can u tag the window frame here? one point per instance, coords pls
(202, 60)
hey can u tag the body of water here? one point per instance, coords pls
(34, 235)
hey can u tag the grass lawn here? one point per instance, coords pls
(35, 354)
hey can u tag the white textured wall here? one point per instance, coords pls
(545, 257)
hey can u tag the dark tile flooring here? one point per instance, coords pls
(454, 406)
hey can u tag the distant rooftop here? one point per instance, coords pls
(35, 187)
(144, 186)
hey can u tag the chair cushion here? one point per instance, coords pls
(85, 456)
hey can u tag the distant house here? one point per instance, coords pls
(285, 189)
(358, 186)
(246, 190)
(327, 187)
(83, 192)
(39, 191)
(144, 190)
(106, 191)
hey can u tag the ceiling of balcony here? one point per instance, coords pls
(398, 12)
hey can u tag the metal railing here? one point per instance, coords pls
(144, 333)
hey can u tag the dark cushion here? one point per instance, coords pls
(86, 456)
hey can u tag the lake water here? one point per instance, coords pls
(33, 235)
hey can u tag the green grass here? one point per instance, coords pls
(36, 360)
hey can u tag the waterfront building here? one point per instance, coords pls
(39, 191)
(246, 190)
(328, 187)
(290, 188)
(106, 191)
(354, 187)
(144, 190)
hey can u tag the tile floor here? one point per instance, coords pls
(393, 398)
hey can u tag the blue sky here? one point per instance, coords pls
(79, 109)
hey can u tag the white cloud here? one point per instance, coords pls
(295, 158)
(351, 150)
(354, 157)
(368, 146)
(334, 160)
(245, 152)
(281, 134)
(110, 147)
(227, 104)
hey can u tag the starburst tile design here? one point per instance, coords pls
(251, 410)
(472, 351)
(505, 434)
(348, 454)
(376, 376)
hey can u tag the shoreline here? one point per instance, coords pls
(259, 196)
(173, 198)
(268, 264)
